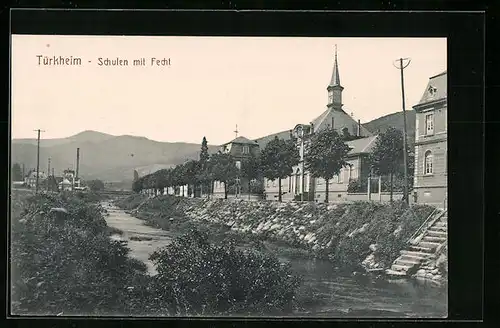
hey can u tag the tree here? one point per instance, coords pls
(386, 157)
(191, 171)
(224, 169)
(251, 170)
(137, 185)
(326, 156)
(136, 175)
(204, 158)
(278, 159)
(96, 185)
(17, 174)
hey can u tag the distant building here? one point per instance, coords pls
(431, 134)
(240, 149)
(30, 179)
(65, 185)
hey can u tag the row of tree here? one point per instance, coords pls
(326, 155)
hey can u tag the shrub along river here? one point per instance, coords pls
(325, 291)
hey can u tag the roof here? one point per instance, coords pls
(242, 140)
(340, 120)
(361, 146)
(33, 175)
(263, 141)
(436, 89)
(65, 182)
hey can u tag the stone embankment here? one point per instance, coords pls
(359, 236)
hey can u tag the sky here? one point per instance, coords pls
(263, 85)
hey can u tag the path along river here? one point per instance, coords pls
(334, 294)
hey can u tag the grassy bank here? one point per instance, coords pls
(345, 234)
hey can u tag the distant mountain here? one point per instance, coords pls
(114, 158)
(103, 156)
(395, 120)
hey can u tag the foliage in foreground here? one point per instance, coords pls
(65, 263)
(199, 278)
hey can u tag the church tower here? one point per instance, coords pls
(334, 88)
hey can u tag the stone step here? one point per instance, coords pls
(422, 249)
(401, 267)
(429, 244)
(407, 261)
(415, 254)
(437, 233)
(434, 228)
(439, 239)
(395, 272)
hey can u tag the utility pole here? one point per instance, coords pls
(48, 174)
(401, 66)
(38, 160)
(303, 158)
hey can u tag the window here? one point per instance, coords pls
(238, 165)
(246, 149)
(429, 124)
(428, 162)
(330, 97)
(341, 176)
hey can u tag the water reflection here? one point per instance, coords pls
(326, 291)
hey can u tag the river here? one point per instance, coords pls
(329, 293)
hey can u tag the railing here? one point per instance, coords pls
(432, 217)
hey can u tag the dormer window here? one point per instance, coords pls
(432, 91)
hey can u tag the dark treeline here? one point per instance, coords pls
(326, 154)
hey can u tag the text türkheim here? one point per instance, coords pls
(101, 61)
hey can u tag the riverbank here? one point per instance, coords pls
(348, 235)
(67, 260)
(326, 291)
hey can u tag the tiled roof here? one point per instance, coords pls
(263, 141)
(340, 120)
(436, 89)
(241, 140)
(361, 146)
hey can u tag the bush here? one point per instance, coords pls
(360, 186)
(66, 263)
(199, 278)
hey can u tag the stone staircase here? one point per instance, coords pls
(430, 236)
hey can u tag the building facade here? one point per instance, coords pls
(30, 179)
(431, 147)
(240, 149)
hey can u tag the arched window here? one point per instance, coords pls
(428, 162)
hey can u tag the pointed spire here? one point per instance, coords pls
(335, 74)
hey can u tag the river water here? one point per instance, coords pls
(327, 292)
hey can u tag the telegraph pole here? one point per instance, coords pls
(401, 66)
(48, 174)
(38, 160)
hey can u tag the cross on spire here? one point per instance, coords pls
(236, 131)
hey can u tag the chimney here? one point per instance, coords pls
(77, 161)
(359, 128)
